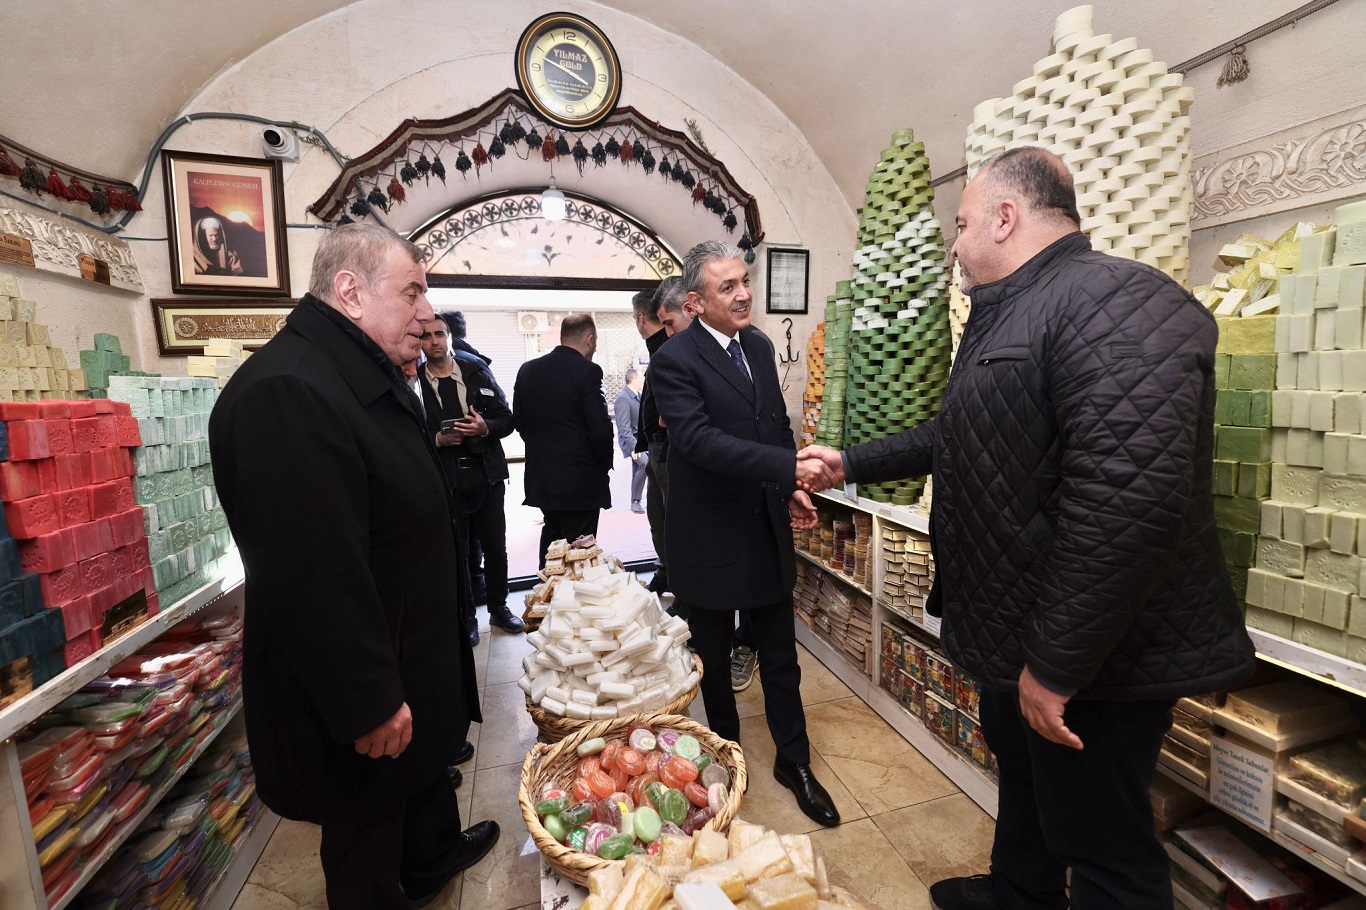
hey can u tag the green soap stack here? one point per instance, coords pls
(899, 337)
(187, 530)
(838, 313)
(104, 360)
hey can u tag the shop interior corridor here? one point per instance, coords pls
(904, 827)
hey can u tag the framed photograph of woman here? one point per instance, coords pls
(225, 222)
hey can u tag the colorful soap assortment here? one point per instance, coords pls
(31, 368)
(839, 541)
(114, 748)
(1118, 119)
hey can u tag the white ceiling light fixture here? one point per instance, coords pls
(552, 203)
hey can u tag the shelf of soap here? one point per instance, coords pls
(835, 573)
(1320, 665)
(907, 517)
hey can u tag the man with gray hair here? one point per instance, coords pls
(733, 501)
(358, 682)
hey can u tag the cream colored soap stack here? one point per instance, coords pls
(1118, 119)
(1309, 583)
(221, 358)
(31, 368)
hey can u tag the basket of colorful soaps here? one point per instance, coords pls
(617, 787)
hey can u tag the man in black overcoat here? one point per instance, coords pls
(561, 412)
(359, 685)
(733, 502)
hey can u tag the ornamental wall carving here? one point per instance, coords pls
(58, 243)
(1313, 163)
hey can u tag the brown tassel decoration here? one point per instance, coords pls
(1236, 68)
(55, 186)
(99, 202)
(480, 156)
(7, 166)
(627, 153)
(699, 193)
(396, 190)
(76, 192)
(548, 149)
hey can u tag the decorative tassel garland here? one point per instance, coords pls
(396, 191)
(599, 154)
(99, 202)
(729, 222)
(637, 150)
(1236, 68)
(463, 163)
(647, 161)
(480, 157)
(580, 155)
(7, 166)
(55, 186)
(31, 178)
(438, 168)
(77, 192)
(688, 180)
(423, 166)
(613, 147)
(562, 146)
(378, 199)
(360, 208)
(666, 170)
(496, 148)
(548, 151)
(533, 140)
(627, 153)
(408, 173)
(698, 194)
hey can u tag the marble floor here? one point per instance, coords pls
(904, 827)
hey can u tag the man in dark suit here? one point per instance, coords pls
(467, 419)
(651, 438)
(733, 501)
(560, 410)
(359, 686)
(626, 411)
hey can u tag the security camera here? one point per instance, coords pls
(279, 143)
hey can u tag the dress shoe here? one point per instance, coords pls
(502, 617)
(465, 754)
(472, 629)
(472, 846)
(811, 796)
(456, 777)
(970, 893)
(659, 583)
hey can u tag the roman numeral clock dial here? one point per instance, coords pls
(568, 70)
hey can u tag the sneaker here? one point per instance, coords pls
(743, 660)
(970, 893)
(637, 507)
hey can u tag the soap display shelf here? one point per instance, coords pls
(834, 573)
(930, 627)
(835, 660)
(1317, 860)
(222, 894)
(43, 699)
(153, 800)
(904, 516)
(1320, 665)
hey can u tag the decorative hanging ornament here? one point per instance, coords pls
(548, 151)
(599, 154)
(345, 219)
(698, 194)
(99, 202)
(480, 157)
(409, 173)
(688, 180)
(496, 148)
(562, 146)
(533, 140)
(360, 207)
(7, 166)
(637, 150)
(55, 186)
(666, 169)
(729, 222)
(613, 147)
(627, 153)
(424, 167)
(647, 161)
(378, 199)
(31, 178)
(438, 168)
(77, 192)
(463, 163)
(580, 155)
(396, 191)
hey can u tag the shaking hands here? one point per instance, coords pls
(819, 468)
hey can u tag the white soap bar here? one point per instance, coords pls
(553, 706)
(587, 670)
(653, 678)
(546, 659)
(636, 647)
(579, 659)
(661, 648)
(604, 712)
(556, 653)
(701, 896)
(604, 676)
(539, 687)
(597, 612)
(559, 693)
(682, 636)
(525, 684)
(529, 665)
(602, 646)
(654, 695)
(591, 633)
(630, 706)
(583, 696)
(617, 689)
(618, 657)
(537, 640)
(595, 573)
(577, 711)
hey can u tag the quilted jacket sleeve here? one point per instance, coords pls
(1127, 367)
(909, 453)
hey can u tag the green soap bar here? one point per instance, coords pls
(1233, 408)
(1246, 335)
(1244, 551)
(1316, 250)
(1270, 621)
(1243, 444)
(1225, 477)
(1238, 576)
(1222, 363)
(1252, 371)
(1259, 409)
(92, 360)
(1238, 513)
(106, 342)
(1254, 480)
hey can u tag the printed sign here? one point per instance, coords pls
(1242, 782)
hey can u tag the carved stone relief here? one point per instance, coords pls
(57, 244)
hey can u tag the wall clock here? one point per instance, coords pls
(568, 70)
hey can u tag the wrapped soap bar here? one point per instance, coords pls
(1336, 771)
(726, 874)
(701, 896)
(765, 858)
(783, 892)
(643, 889)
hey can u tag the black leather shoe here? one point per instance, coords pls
(471, 847)
(811, 796)
(502, 618)
(456, 777)
(970, 893)
(472, 629)
(465, 754)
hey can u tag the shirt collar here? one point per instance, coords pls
(723, 340)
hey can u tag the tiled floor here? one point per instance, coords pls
(905, 825)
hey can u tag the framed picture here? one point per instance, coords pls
(225, 223)
(787, 280)
(185, 324)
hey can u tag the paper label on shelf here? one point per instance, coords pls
(1242, 782)
(851, 492)
(931, 623)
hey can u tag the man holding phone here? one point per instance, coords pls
(468, 417)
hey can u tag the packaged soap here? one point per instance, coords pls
(1336, 771)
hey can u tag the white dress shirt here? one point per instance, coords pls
(724, 341)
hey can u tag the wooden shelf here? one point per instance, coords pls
(834, 573)
(1320, 665)
(26, 710)
(908, 517)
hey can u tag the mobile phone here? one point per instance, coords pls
(449, 426)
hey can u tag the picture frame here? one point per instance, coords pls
(788, 276)
(225, 225)
(185, 324)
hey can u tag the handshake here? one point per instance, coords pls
(819, 468)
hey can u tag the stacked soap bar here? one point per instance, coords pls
(815, 385)
(68, 500)
(186, 528)
(221, 358)
(1118, 119)
(31, 638)
(31, 369)
(1245, 376)
(840, 541)
(840, 615)
(900, 336)
(1309, 583)
(960, 308)
(104, 361)
(1251, 287)
(908, 572)
(839, 310)
(606, 648)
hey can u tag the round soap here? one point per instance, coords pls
(555, 827)
(648, 824)
(553, 805)
(642, 740)
(577, 838)
(717, 794)
(666, 739)
(672, 806)
(715, 773)
(591, 747)
(687, 746)
(616, 846)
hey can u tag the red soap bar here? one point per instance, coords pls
(76, 617)
(59, 438)
(125, 462)
(153, 604)
(130, 434)
(123, 490)
(47, 553)
(20, 410)
(75, 507)
(85, 433)
(122, 408)
(92, 539)
(62, 586)
(19, 480)
(104, 464)
(104, 406)
(97, 572)
(47, 474)
(78, 649)
(71, 472)
(83, 407)
(54, 409)
(108, 426)
(28, 440)
(126, 526)
(140, 553)
(104, 499)
(123, 566)
(32, 517)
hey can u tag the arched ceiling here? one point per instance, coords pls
(95, 83)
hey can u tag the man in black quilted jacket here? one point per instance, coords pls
(1078, 573)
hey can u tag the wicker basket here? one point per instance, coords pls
(558, 762)
(555, 728)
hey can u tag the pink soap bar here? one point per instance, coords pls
(32, 517)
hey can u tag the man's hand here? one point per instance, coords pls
(830, 472)
(389, 738)
(801, 511)
(472, 424)
(1043, 708)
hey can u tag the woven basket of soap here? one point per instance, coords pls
(555, 728)
(617, 787)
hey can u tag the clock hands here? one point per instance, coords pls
(569, 73)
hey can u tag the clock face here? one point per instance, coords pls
(568, 70)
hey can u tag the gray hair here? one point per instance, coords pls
(699, 256)
(631, 373)
(359, 247)
(670, 295)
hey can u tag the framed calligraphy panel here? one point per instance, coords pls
(185, 324)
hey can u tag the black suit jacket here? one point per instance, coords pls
(732, 465)
(648, 425)
(481, 393)
(559, 408)
(333, 491)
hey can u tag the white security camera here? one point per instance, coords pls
(280, 143)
